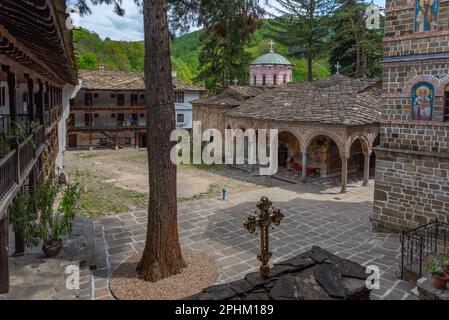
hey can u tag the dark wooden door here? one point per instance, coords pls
(282, 155)
(72, 141)
(143, 141)
(120, 119)
(87, 119)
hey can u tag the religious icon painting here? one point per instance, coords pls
(426, 15)
(422, 101)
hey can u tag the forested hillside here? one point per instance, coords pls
(129, 56)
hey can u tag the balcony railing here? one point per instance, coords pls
(111, 106)
(14, 165)
(105, 124)
(6, 123)
(8, 173)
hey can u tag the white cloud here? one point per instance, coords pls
(106, 23)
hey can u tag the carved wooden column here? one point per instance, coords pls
(30, 106)
(366, 167)
(344, 172)
(4, 255)
(40, 102)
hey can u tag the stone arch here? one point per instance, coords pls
(364, 141)
(295, 133)
(434, 81)
(327, 133)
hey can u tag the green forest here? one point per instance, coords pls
(129, 56)
(314, 39)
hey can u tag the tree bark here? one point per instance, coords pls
(162, 255)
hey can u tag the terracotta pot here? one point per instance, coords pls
(440, 282)
(52, 248)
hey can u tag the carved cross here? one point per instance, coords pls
(265, 219)
(337, 67)
(236, 81)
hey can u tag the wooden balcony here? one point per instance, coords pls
(99, 125)
(16, 165)
(139, 106)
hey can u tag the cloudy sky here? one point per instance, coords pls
(130, 27)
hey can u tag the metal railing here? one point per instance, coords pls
(421, 243)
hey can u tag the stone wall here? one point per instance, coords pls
(125, 138)
(413, 158)
(411, 189)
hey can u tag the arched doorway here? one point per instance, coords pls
(323, 157)
(288, 149)
(356, 161)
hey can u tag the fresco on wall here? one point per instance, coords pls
(422, 98)
(426, 15)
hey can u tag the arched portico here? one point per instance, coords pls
(320, 150)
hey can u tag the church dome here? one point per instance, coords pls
(272, 58)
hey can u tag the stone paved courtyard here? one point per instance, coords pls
(314, 215)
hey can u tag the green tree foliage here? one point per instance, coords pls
(303, 26)
(229, 26)
(357, 48)
(185, 50)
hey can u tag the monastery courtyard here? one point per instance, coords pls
(315, 214)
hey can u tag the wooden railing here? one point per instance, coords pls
(8, 173)
(39, 138)
(104, 124)
(26, 155)
(14, 165)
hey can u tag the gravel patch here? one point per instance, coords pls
(200, 273)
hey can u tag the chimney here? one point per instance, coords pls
(101, 67)
(173, 74)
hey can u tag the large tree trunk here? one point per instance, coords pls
(162, 254)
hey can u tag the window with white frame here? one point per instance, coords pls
(180, 118)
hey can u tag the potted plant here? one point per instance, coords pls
(56, 204)
(439, 277)
(23, 218)
(55, 219)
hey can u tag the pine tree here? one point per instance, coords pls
(304, 26)
(358, 49)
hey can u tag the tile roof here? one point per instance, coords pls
(231, 96)
(335, 100)
(124, 81)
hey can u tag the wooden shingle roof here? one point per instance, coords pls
(335, 100)
(124, 81)
(231, 96)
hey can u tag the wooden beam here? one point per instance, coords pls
(4, 255)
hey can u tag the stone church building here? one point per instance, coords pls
(412, 183)
(326, 127)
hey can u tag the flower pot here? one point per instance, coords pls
(440, 281)
(52, 248)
